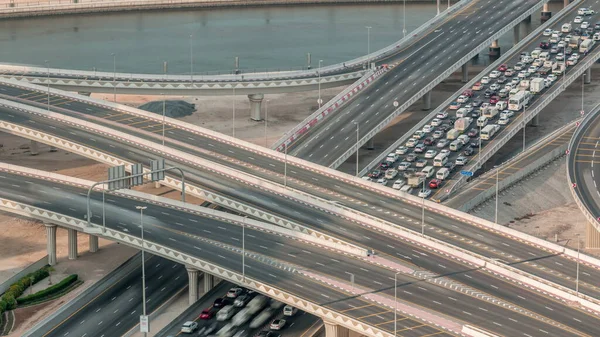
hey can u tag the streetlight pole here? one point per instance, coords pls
(233, 118)
(423, 211)
(404, 20)
(191, 60)
(319, 100)
(368, 44)
(114, 77)
(396, 303)
(438, 7)
(577, 278)
(356, 148)
(164, 118)
(244, 250)
(285, 165)
(582, 87)
(266, 118)
(524, 126)
(142, 208)
(352, 280)
(497, 190)
(48, 82)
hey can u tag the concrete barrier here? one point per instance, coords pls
(476, 332)
(29, 269)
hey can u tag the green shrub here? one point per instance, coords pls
(11, 303)
(49, 291)
(3, 306)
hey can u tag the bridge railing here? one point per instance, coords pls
(433, 83)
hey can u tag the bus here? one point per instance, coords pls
(489, 131)
(519, 101)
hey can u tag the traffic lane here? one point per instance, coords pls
(370, 116)
(584, 170)
(435, 267)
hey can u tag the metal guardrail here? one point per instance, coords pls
(572, 153)
(469, 84)
(360, 61)
(433, 83)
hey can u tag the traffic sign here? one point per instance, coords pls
(144, 324)
(466, 173)
(574, 185)
(319, 101)
(396, 104)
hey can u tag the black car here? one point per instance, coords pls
(544, 45)
(450, 165)
(597, 26)
(473, 133)
(444, 127)
(221, 302)
(577, 32)
(373, 175)
(501, 80)
(468, 151)
(476, 103)
(589, 30)
(429, 141)
(385, 165)
(475, 142)
(452, 120)
(475, 113)
(420, 148)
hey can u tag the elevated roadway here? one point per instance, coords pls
(354, 194)
(380, 242)
(289, 260)
(422, 66)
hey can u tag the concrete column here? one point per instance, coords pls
(93, 243)
(528, 19)
(33, 148)
(335, 330)
(209, 282)
(192, 285)
(72, 244)
(51, 243)
(157, 184)
(516, 37)
(255, 106)
(566, 3)
(588, 76)
(546, 13)
(465, 73)
(495, 49)
(427, 101)
(535, 121)
(370, 144)
(53, 149)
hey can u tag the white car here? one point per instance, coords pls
(495, 86)
(523, 74)
(442, 143)
(402, 150)
(418, 134)
(588, 11)
(442, 115)
(596, 37)
(507, 113)
(585, 25)
(424, 193)
(468, 107)
(392, 157)
(277, 324)
(403, 166)
(578, 19)
(485, 80)
(382, 181)
(234, 292)
(436, 122)
(445, 151)
(367, 178)
(398, 184)
(552, 77)
(495, 74)
(462, 99)
(412, 142)
(547, 32)
(532, 69)
(461, 161)
(515, 81)
(503, 120)
(438, 134)
(189, 327)
(428, 128)
(430, 154)
(406, 188)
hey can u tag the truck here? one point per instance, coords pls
(489, 111)
(416, 179)
(452, 134)
(537, 85)
(558, 68)
(524, 85)
(463, 123)
(574, 42)
(544, 70)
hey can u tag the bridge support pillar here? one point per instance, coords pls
(516, 33)
(209, 282)
(72, 244)
(335, 330)
(255, 106)
(371, 144)
(535, 121)
(192, 285)
(528, 19)
(495, 49)
(427, 101)
(51, 243)
(53, 148)
(546, 13)
(33, 148)
(587, 79)
(566, 3)
(465, 73)
(93, 243)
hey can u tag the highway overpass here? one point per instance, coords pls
(175, 232)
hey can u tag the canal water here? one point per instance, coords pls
(262, 37)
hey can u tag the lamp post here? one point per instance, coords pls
(396, 303)
(244, 250)
(191, 60)
(141, 209)
(48, 82)
(351, 280)
(320, 100)
(524, 126)
(233, 117)
(577, 278)
(356, 148)
(285, 164)
(582, 92)
(114, 77)
(266, 118)
(497, 190)
(438, 7)
(164, 118)
(368, 44)
(404, 20)
(423, 211)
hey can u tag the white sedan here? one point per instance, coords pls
(547, 32)
(485, 80)
(436, 122)
(585, 25)
(442, 115)
(424, 193)
(578, 19)
(495, 74)
(430, 154)
(398, 184)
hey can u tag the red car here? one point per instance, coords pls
(207, 313)
(468, 93)
(502, 67)
(434, 183)
(494, 99)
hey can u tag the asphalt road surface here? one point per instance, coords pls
(172, 227)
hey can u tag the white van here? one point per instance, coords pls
(482, 121)
(225, 313)
(586, 46)
(442, 173)
(536, 53)
(428, 171)
(566, 28)
(456, 145)
(501, 105)
(544, 56)
(440, 160)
